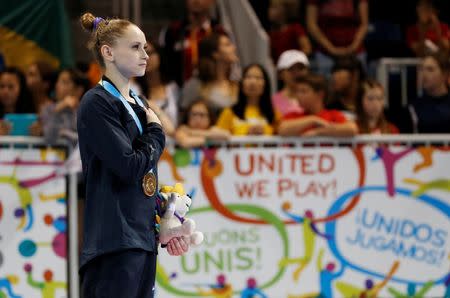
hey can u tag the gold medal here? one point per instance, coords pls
(149, 184)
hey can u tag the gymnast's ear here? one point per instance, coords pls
(107, 53)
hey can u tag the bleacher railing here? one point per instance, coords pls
(403, 139)
(386, 66)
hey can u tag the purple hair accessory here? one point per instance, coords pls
(97, 21)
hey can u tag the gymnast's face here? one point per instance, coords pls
(128, 54)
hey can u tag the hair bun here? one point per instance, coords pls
(87, 21)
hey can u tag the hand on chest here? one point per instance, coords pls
(129, 123)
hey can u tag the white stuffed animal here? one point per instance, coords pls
(172, 223)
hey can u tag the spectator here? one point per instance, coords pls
(157, 86)
(181, 39)
(59, 118)
(316, 121)
(15, 98)
(252, 114)
(429, 34)
(431, 112)
(40, 80)
(346, 76)
(285, 36)
(291, 65)
(370, 110)
(217, 56)
(196, 129)
(339, 28)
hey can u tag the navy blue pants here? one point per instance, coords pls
(125, 274)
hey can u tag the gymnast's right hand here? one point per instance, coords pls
(151, 116)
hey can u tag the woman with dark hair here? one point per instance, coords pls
(59, 118)
(217, 56)
(15, 97)
(253, 113)
(197, 126)
(41, 78)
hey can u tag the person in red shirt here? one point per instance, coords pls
(285, 36)
(429, 34)
(370, 110)
(316, 121)
(339, 28)
(180, 40)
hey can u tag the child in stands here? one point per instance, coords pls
(316, 121)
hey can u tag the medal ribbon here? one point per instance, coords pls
(113, 91)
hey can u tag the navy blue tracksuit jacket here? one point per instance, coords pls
(115, 158)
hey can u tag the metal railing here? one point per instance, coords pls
(399, 139)
(388, 65)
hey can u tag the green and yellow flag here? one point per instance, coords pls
(35, 30)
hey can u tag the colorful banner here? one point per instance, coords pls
(33, 224)
(312, 222)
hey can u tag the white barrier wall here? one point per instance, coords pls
(279, 220)
(304, 222)
(33, 224)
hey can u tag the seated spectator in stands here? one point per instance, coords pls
(346, 76)
(161, 92)
(339, 28)
(40, 80)
(291, 65)
(285, 36)
(253, 113)
(370, 110)
(15, 98)
(197, 129)
(59, 118)
(180, 39)
(316, 121)
(217, 57)
(429, 34)
(431, 112)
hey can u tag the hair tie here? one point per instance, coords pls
(97, 21)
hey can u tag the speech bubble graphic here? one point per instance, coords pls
(385, 229)
(163, 278)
